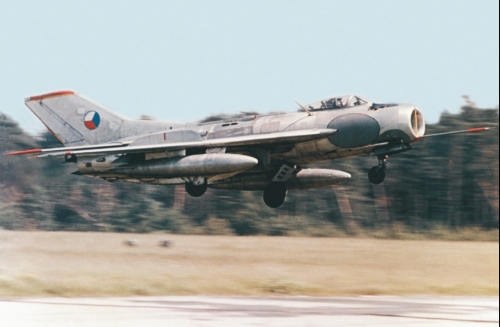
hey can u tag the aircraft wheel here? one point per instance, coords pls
(274, 194)
(376, 175)
(196, 190)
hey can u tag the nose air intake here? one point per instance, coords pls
(417, 123)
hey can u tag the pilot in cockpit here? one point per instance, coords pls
(338, 103)
(333, 103)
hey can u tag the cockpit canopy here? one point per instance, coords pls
(338, 102)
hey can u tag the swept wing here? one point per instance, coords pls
(246, 140)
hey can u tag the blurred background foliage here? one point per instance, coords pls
(446, 184)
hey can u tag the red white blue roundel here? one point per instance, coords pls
(92, 120)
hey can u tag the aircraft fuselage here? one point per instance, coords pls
(262, 152)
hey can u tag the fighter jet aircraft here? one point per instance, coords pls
(268, 153)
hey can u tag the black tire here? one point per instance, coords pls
(196, 190)
(376, 175)
(275, 194)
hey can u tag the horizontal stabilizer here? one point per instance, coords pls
(66, 150)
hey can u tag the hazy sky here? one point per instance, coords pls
(183, 60)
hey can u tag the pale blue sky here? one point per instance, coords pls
(184, 60)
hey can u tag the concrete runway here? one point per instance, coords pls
(251, 311)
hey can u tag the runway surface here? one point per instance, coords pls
(251, 311)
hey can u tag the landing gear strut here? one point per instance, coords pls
(376, 174)
(274, 194)
(196, 188)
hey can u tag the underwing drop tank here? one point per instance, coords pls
(312, 178)
(305, 179)
(193, 165)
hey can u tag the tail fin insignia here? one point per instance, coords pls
(92, 120)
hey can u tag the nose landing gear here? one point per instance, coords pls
(376, 174)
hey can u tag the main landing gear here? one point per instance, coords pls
(274, 194)
(196, 187)
(376, 174)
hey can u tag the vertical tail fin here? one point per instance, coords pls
(75, 120)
